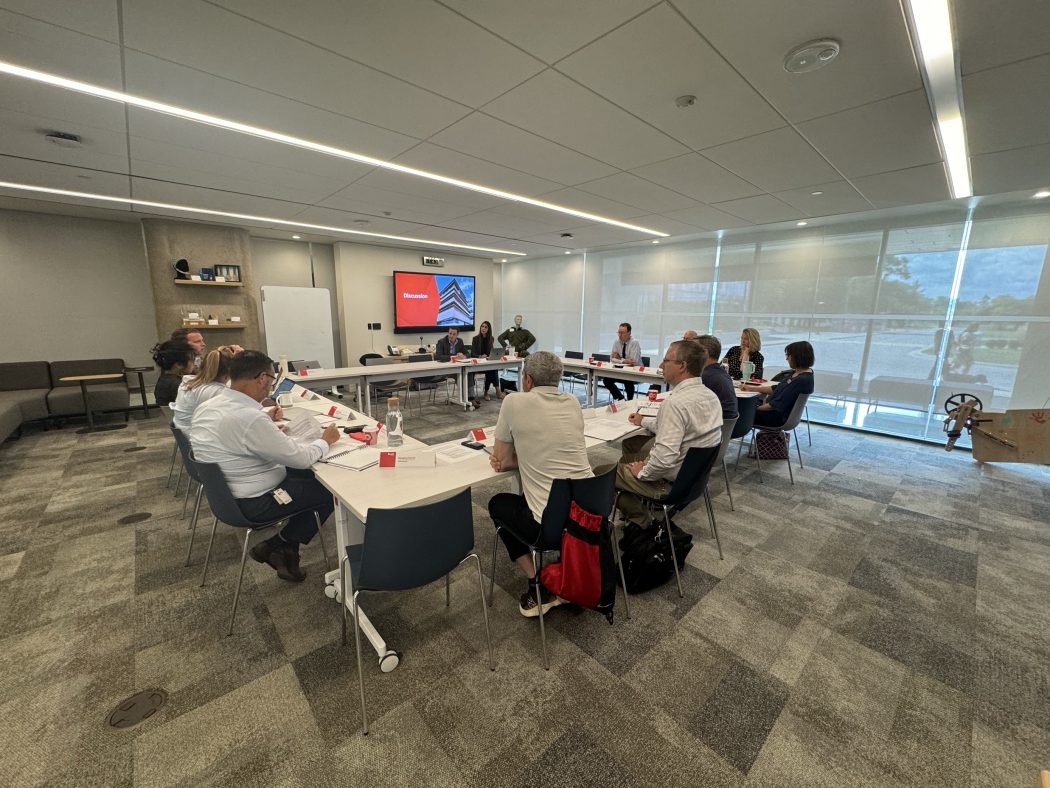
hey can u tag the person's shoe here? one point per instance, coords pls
(487, 397)
(261, 552)
(284, 559)
(530, 608)
(476, 403)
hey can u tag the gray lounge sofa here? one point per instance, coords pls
(24, 386)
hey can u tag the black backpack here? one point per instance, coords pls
(646, 555)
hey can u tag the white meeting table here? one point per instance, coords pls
(355, 492)
(651, 375)
(364, 377)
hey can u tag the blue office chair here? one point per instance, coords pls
(182, 443)
(690, 484)
(224, 507)
(595, 494)
(407, 548)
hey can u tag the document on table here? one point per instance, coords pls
(455, 453)
(302, 426)
(607, 429)
(648, 410)
(356, 458)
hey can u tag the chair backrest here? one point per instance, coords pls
(692, 479)
(363, 361)
(796, 413)
(574, 354)
(420, 357)
(295, 366)
(166, 413)
(375, 360)
(16, 375)
(220, 500)
(601, 357)
(728, 426)
(594, 494)
(185, 450)
(747, 407)
(416, 545)
(836, 383)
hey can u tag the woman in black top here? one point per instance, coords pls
(175, 359)
(778, 406)
(480, 347)
(747, 350)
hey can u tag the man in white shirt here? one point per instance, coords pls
(267, 471)
(691, 415)
(539, 432)
(627, 350)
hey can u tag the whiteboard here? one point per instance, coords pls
(298, 324)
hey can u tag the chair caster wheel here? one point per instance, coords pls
(331, 592)
(389, 661)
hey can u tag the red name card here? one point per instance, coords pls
(387, 459)
(479, 434)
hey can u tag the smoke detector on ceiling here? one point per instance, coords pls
(811, 56)
(566, 235)
(684, 102)
(63, 139)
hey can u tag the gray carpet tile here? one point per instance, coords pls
(882, 622)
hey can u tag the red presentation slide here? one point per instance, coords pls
(416, 299)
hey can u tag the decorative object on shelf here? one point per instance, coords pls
(229, 273)
(234, 318)
(207, 275)
(212, 320)
(182, 268)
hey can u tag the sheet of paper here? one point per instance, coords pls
(607, 429)
(455, 453)
(302, 425)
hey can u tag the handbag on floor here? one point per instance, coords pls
(772, 444)
(646, 555)
(585, 574)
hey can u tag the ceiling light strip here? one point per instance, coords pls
(298, 142)
(931, 27)
(247, 217)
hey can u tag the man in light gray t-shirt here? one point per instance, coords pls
(539, 432)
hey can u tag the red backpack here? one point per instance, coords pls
(586, 573)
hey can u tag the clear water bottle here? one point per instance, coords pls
(395, 430)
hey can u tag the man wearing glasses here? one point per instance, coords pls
(691, 415)
(268, 472)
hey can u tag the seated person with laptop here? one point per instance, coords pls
(691, 415)
(449, 346)
(267, 471)
(539, 432)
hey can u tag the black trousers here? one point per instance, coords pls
(308, 496)
(512, 514)
(628, 386)
(491, 379)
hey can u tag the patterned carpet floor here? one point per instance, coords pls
(885, 621)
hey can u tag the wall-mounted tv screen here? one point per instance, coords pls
(431, 303)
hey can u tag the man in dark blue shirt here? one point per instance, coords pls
(716, 378)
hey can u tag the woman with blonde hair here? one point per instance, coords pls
(212, 378)
(747, 350)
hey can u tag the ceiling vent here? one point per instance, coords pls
(63, 139)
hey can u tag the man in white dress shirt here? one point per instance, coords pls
(691, 415)
(268, 472)
(626, 350)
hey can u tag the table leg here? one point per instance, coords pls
(348, 531)
(87, 408)
(368, 398)
(142, 391)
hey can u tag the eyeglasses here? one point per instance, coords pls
(267, 374)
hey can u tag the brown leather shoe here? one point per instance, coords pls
(284, 559)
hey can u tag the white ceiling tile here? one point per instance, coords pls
(56, 50)
(493, 140)
(211, 199)
(96, 18)
(60, 176)
(350, 220)
(763, 209)
(905, 187)
(838, 197)
(444, 161)
(1008, 107)
(668, 59)
(457, 200)
(101, 149)
(368, 199)
(56, 208)
(632, 190)
(1011, 170)
(697, 177)
(421, 42)
(188, 87)
(707, 218)
(588, 236)
(529, 25)
(891, 134)
(210, 39)
(1009, 31)
(774, 161)
(591, 203)
(755, 35)
(60, 110)
(555, 107)
(499, 223)
(664, 224)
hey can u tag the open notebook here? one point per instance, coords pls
(356, 458)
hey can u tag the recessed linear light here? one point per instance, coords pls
(247, 217)
(296, 237)
(567, 251)
(816, 193)
(298, 142)
(931, 28)
(656, 242)
(801, 224)
(1041, 195)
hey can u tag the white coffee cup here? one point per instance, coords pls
(372, 433)
(284, 399)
